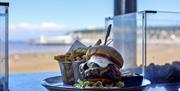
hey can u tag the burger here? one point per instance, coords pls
(102, 68)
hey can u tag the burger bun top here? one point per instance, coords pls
(106, 51)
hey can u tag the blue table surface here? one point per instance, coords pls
(32, 82)
(29, 81)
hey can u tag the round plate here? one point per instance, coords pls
(56, 84)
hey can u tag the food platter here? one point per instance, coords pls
(56, 84)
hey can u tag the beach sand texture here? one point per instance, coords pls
(44, 61)
(33, 62)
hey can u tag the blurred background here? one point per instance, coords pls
(41, 29)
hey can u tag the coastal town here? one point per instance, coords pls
(154, 35)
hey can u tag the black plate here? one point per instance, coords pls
(56, 84)
(130, 81)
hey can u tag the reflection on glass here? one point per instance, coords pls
(127, 39)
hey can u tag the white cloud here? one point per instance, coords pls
(52, 25)
(25, 25)
(41, 26)
(91, 27)
(47, 26)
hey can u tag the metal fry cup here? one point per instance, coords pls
(70, 71)
(67, 72)
(76, 69)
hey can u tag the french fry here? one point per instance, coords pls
(98, 42)
(75, 55)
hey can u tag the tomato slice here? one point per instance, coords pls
(106, 81)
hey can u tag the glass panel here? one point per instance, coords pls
(148, 38)
(162, 49)
(124, 38)
(127, 39)
(163, 37)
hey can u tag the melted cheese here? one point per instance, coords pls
(101, 61)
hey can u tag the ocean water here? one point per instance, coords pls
(23, 47)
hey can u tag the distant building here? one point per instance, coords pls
(88, 37)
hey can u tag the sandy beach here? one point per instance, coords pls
(160, 54)
(33, 62)
(44, 61)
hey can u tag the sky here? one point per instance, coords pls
(55, 17)
(81, 13)
(32, 18)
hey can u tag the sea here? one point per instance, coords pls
(24, 47)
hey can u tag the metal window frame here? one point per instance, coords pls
(6, 84)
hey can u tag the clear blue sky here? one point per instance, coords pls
(80, 13)
(27, 16)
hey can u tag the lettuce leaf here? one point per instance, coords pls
(85, 84)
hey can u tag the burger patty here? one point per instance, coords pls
(110, 72)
